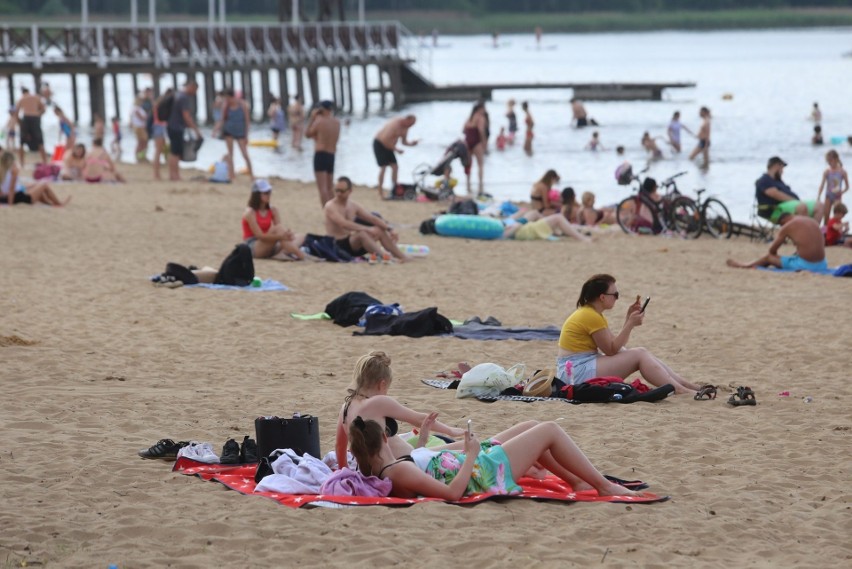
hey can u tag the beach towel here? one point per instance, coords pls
(241, 479)
(266, 285)
(446, 384)
(841, 271)
(476, 331)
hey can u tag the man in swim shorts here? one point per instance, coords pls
(805, 234)
(32, 108)
(353, 237)
(703, 136)
(774, 197)
(384, 146)
(324, 128)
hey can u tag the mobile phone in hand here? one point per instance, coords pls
(469, 424)
(647, 300)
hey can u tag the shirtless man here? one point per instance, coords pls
(805, 234)
(324, 128)
(355, 238)
(384, 146)
(703, 137)
(32, 107)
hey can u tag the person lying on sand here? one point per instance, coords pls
(12, 191)
(594, 351)
(352, 237)
(483, 467)
(262, 229)
(534, 226)
(368, 398)
(805, 234)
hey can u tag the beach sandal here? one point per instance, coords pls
(706, 393)
(629, 484)
(743, 396)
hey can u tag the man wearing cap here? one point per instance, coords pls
(324, 128)
(805, 234)
(384, 147)
(178, 121)
(774, 197)
(32, 107)
(355, 238)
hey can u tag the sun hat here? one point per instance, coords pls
(261, 186)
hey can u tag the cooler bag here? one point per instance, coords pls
(300, 433)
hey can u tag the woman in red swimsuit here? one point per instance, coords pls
(262, 229)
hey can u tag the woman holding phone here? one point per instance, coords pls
(594, 351)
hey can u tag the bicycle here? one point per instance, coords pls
(675, 213)
(713, 215)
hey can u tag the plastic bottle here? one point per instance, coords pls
(257, 282)
(415, 250)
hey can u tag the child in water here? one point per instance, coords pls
(835, 181)
(502, 139)
(595, 143)
(816, 139)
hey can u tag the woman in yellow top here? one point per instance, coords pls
(594, 351)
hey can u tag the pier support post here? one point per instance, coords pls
(135, 85)
(248, 92)
(209, 91)
(11, 89)
(155, 78)
(74, 101)
(350, 106)
(283, 93)
(264, 92)
(115, 96)
(96, 96)
(382, 88)
(314, 83)
(395, 84)
(334, 91)
(366, 89)
(300, 83)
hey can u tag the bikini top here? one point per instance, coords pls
(406, 458)
(391, 426)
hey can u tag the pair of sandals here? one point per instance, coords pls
(742, 396)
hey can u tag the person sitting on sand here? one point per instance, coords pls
(570, 206)
(368, 398)
(540, 193)
(805, 234)
(73, 164)
(594, 351)
(12, 191)
(482, 467)
(774, 197)
(590, 216)
(99, 167)
(262, 229)
(836, 229)
(352, 237)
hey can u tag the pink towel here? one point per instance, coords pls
(345, 482)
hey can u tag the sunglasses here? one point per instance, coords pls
(340, 191)
(612, 294)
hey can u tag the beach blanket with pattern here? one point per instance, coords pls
(241, 479)
(445, 384)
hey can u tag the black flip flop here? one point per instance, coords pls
(629, 484)
(706, 393)
(743, 396)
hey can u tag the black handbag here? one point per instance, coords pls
(300, 433)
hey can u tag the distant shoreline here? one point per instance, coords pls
(464, 23)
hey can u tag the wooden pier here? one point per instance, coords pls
(216, 56)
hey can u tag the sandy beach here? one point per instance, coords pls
(97, 363)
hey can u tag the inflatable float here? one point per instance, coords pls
(414, 250)
(469, 226)
(265, 143)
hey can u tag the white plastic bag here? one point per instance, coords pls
(488, 380)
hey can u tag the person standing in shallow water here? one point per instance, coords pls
(703, 146)
(324, 128)
(513, 121)
(530, 123)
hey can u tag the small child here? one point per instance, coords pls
(447, 183)
(115, 146)
(836, 229)
(833, 180)
(66, 129)
(11, 130)
(816, 139)
(220, 171)
(502, 139)
(595, 143)
(619, 150)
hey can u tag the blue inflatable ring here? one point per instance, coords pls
(470, 226)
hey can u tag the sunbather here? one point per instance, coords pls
(262, 229)
(533, 226)
(368, 398)
(489, 466)
(594, 351)
(13, 191)
(99, 166)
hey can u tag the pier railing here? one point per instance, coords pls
(52, 47)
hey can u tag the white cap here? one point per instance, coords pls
(261, 186)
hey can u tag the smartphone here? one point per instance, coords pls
(469, 424)
(647, 300)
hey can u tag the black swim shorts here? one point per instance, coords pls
(22, 197)
(324, 162)
(175, 142)
(31, 134)
(346, 245)
(384, 155)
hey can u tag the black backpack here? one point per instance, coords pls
(238, 268)
(428, 227)
(164, 107)
(464, 207)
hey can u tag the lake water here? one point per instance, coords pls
(773, 78)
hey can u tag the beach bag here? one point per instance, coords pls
(488, 380)
(426, 322)
(404, 192)
(325, 247)
(347, 309)
(299, 432)
(393, 309)
(191, 145)
(238, 268)
(464, 207)
(43, 171)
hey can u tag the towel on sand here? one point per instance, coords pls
(241, 479)
(266, 285)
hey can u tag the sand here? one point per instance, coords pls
(97, 363)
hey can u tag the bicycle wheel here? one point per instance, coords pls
(627, 215)
(717, 219)
(684, 218)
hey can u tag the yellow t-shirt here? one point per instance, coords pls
(577, 330)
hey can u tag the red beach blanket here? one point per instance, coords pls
(241, 479)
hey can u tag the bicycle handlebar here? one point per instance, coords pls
(670, 180)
